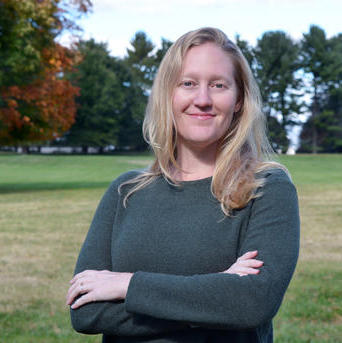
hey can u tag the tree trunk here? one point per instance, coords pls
(84, 149)
(23, 149)
(315, 112)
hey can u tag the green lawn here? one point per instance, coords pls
(47, 202)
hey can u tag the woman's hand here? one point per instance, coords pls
(94, 285)
(246, 264)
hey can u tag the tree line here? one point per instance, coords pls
(300, 77)
(84, 96)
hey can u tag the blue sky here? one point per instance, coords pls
(116, 21)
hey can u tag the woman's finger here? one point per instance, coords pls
(76, 290)
(248, 255)
(250, 263)
(80, 275)
(84, 299)
(246, 270)
(102, 285)
(242, 271)
(246, 264)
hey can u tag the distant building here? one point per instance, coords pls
(291, 151)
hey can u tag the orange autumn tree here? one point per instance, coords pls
(36, 101)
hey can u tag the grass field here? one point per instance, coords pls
(47, 202)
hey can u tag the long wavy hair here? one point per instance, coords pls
(243, 151)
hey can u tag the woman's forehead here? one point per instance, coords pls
(207, 58)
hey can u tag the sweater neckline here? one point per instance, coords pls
(195, 182)
(191, 183)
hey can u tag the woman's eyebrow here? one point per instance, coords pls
(214, 77)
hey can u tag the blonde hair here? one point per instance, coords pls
(244, 150)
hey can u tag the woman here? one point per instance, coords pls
(202, 246)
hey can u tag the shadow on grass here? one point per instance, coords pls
(6, 188)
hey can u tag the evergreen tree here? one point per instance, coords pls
(160, 53)
(101, 97)
(133, 110)
(247, 50)
(143, 60)
(140, 60)
(328, 126)
(111, 102)
(276, 62)
(316, 60)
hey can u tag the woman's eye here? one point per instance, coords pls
(218, 85)
(187, 83)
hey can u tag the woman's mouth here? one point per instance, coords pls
(201, 116)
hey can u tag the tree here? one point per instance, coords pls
(25, 31)
(332, 128)
(276, 63)
(100, 99)
(322, 62)
(143, 59)
(277, 135)
(132, 114)
(160, 53)
(42, 109)
(247, 50)
(328, 126)
(140, 60)
(36, 102)
(114, 93)
(107, 111)
(143, 63)
(316, 61)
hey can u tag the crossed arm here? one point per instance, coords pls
(243, 296)
(93, 285)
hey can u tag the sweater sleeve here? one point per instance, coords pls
(109, 318)
(229, 301)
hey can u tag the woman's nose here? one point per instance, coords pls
(203, 97)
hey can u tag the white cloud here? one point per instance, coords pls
(155, 6)
(116, 46)
(131, 5)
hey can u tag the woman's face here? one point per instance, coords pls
(205, 97)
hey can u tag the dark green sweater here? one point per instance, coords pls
(175, 240)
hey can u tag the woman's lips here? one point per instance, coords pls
(201, 116)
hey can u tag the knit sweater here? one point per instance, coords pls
(176, 240)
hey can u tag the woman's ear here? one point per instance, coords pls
(238, 106)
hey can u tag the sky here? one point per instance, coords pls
(116, 21)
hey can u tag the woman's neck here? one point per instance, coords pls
(195, 163)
